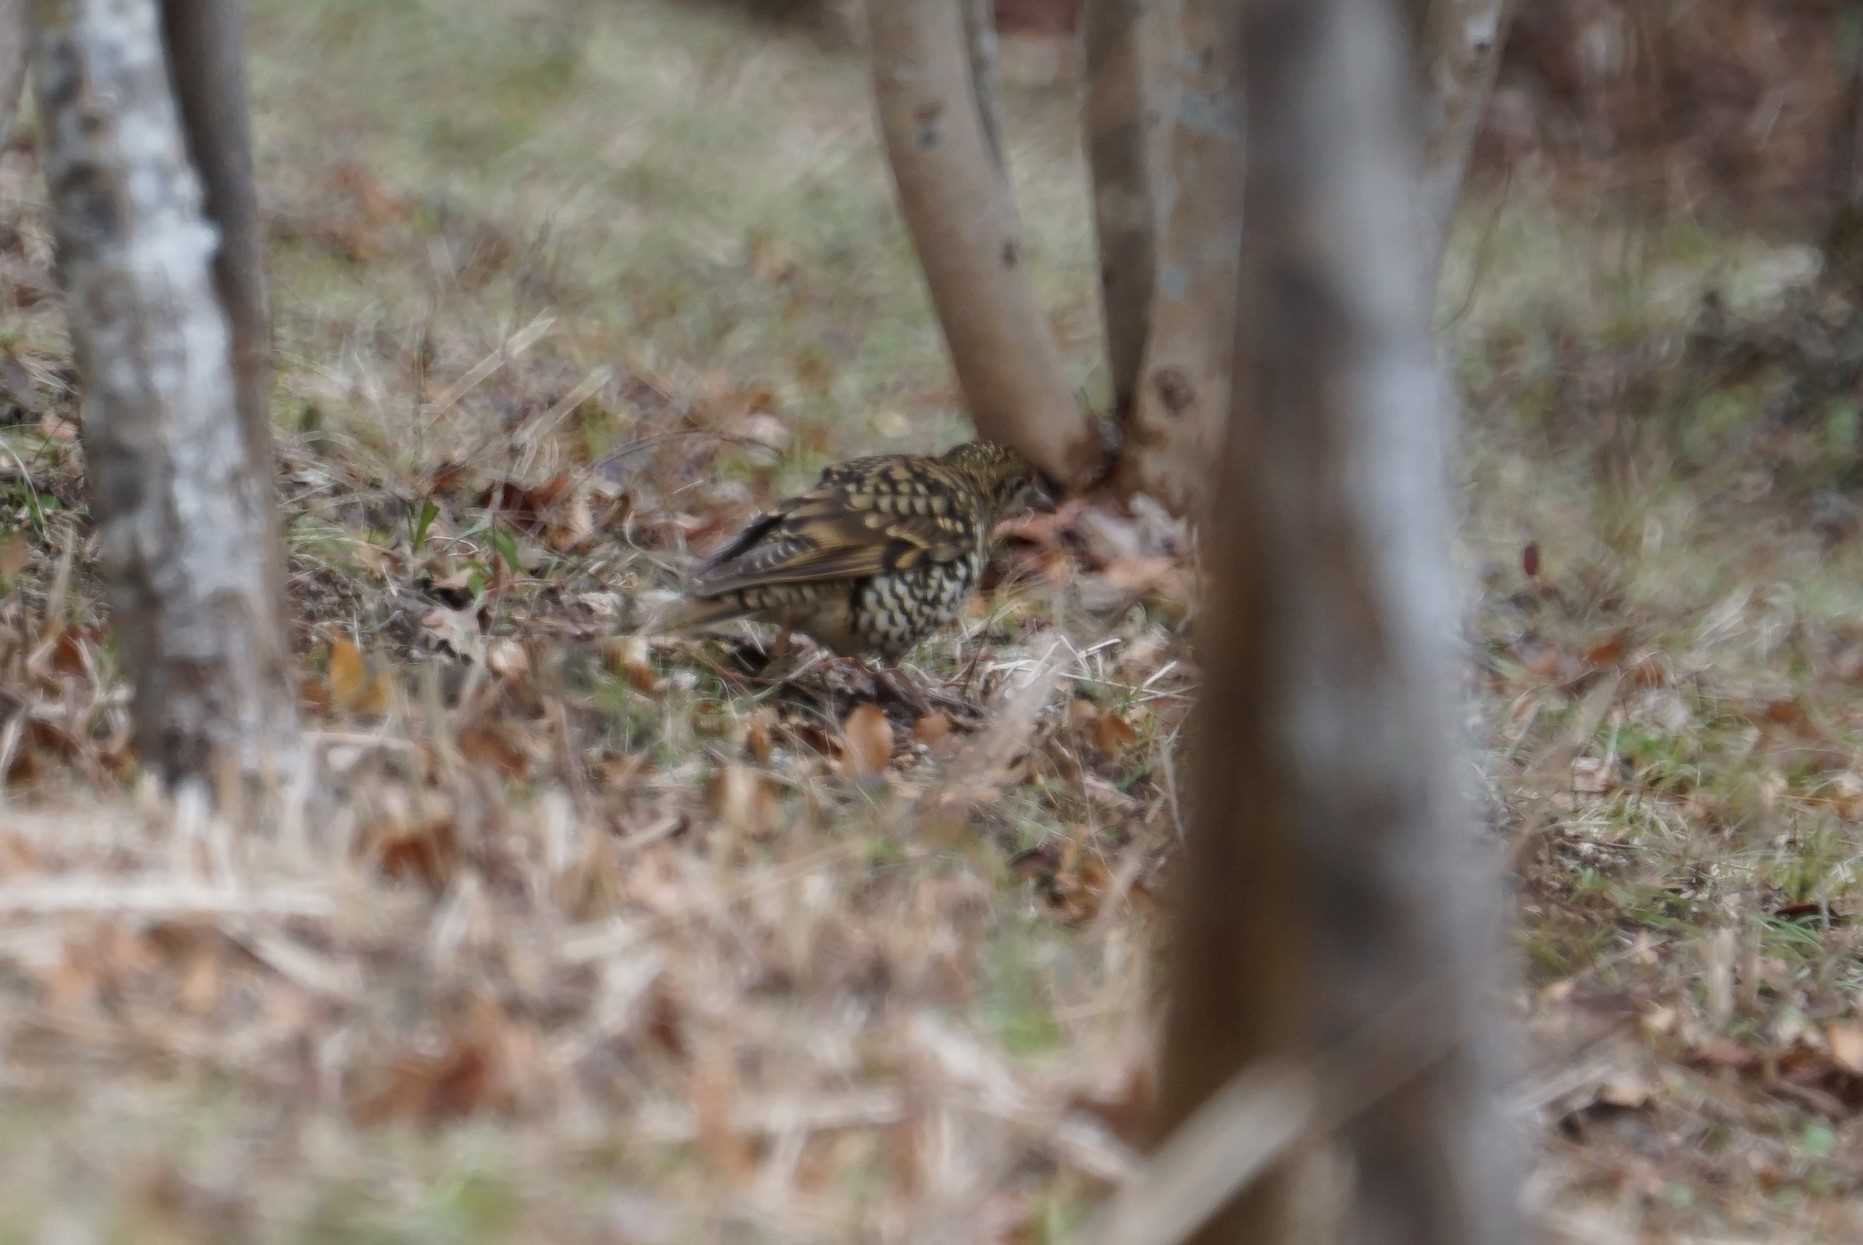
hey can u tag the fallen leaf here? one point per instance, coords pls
(1846, 1041)
(868, 740)
(488, 746)
(933, 727)
(1608, 652)
(15, 553)
(1112, 734)
(506, 658)
(354, 688)
(1530, 559)
(757, 736)
(743, 800)
(628, 657)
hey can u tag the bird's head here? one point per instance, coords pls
(1006, 480)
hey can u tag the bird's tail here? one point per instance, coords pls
(687, 613)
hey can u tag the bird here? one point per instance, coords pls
(878, 555)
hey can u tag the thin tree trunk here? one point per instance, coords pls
(1122, 116)
(1332, 871)
(1174, 425)
(182, 521)
(1458, 45)
(963, 224)
(980, 46)
(206, 63)
(15, 45)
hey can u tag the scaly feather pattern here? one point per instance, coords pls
(879, 554)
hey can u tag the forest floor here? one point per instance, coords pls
(682, 940)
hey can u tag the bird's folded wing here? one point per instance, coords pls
(821, 537)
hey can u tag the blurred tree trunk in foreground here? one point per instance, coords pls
(1333, 881)
(15, 44)
(1169, 207)
(181, 505)
(956, 201)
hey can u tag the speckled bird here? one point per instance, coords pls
(878, 555)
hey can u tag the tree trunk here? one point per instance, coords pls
(1122, 140)
(1458, 45)
(963, 223)
(206, 70)
(980, 47)
(1173, 427)
(1332, 872)
(181, 516)
(15, 43)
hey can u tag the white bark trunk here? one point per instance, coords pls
(963, 223)
(1333, 876)
(183, 522)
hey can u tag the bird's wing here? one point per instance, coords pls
(824, 535)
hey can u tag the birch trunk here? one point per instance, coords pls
(182, 517)
(1173, 426)
(1333, 878)
(963, 223)
(15, 44)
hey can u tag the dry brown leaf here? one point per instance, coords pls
(354, 688)
(488, 746)
(628, 657)
(478, 1069)
(743, 800)
(15, 553)
(713, 1090)
(1608, 652)
(867, 742)
(506, 658)
(1112, 734)
(1846, 1041)
(933, 727)
(202, 979)
(757, 737)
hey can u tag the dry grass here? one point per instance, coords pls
(586, 939)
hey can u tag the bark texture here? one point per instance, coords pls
(183, 520)
(980, 45)
(1174, 423)
(205, 40)
(963, 223)
(15, 45)
(1333, 874)
(1458, 51)
(1121, 123)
